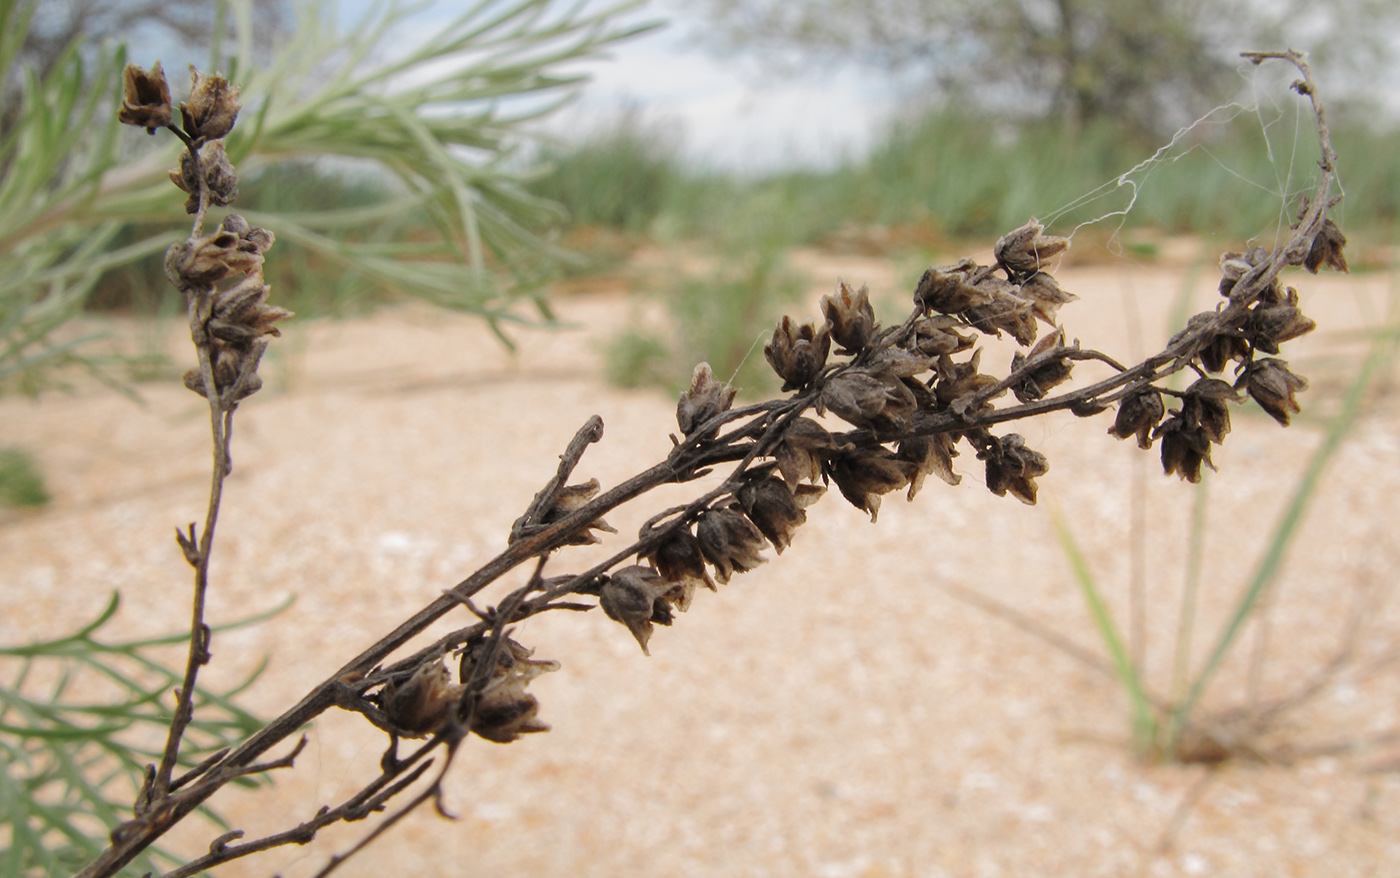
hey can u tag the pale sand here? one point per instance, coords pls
(834, 713)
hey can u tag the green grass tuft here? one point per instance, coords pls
(21, 482)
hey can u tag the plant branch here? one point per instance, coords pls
(777, 457)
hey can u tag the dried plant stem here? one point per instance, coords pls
(199, 306)
(750, 440)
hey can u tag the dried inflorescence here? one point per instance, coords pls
(234, 318)
(913, 393)
(424, 703)
(229, 323)
(1259, 315)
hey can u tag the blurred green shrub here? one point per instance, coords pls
(721, 315)
(437, 124)
(21, 483)
(620, 178)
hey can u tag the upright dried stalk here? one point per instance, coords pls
(913, 396)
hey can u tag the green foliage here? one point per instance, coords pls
(618, 179)
(721, 316)
(80, 719)
(959, 174)
(21, 483)
(438, 124)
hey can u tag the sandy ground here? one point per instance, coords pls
(837, 712)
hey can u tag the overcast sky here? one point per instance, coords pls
(725, 112)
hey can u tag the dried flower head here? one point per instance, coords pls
(1138, 415)
(213, 107)
(1006, 311)
(957, 382)
(145, 98)
(797, 352)
(877, 402)
(804, 448)
(729, 541)
(679, 561)
(951, 289)
(1185, 446)
(1025, 250)
(241, 313)
(706, 398)
(232, 249)
(863, 476)
(1271, 384)
(422, 704)
(1234, 266)
(1223, 348)
(1269, 325)
(219, 176)
(849, 317)
(571, 499)
(505, 711)
(1035, 382)
(1206, 404)
(932, 455)
(775, 509)
(634, 596)
(1011, 466)
(936, 335)
(1045, 295)
(1326, 247)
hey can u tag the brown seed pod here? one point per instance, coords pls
(145, 98)
(849, 317)
(797, 352)
(212, 108)
(729, 541)
(706, 398)
(1269, 383)
(633, 596)
(1138, 415)
(1027, 249)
